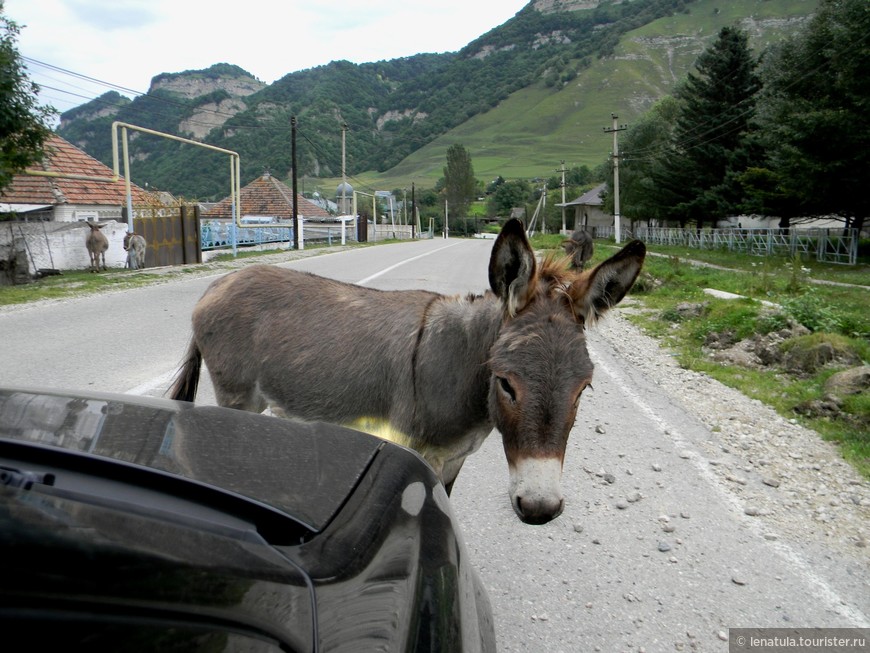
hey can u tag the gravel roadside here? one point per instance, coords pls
(784, 475)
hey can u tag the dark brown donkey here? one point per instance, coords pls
(580, 248)
(442, 370)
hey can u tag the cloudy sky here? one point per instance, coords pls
(77, 50)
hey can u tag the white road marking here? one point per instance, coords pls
(400, 263)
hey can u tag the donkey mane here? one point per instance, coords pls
(556, 278)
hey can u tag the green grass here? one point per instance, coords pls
(835, 315)
(773, 266)
(73, 283)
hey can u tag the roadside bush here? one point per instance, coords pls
(808, 310)
(725, 317)
(770, 322)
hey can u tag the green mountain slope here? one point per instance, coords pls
(521, 98)
(531, 132)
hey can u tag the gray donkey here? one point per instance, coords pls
(135, 246)
(441, 370)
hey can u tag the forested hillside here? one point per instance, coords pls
(510, 96)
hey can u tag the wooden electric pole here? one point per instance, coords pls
(562, 170)
(295, 201)
(615, 129)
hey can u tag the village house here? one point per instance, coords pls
(40, 215)
(589, 213)
(267, 197)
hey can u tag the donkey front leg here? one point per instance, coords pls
(238, 396)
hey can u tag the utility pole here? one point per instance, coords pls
(562, 170)
(446, 227)
(295, 200)
(414, 217)
(343, 173)
(615, 129)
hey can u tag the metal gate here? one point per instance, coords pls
(172, 234)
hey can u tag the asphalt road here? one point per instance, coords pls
(672, 569)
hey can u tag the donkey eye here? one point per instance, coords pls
(507, 388)
(588, 386)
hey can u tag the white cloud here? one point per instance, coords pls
(127, 42)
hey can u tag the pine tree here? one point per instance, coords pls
(815, 114)
(459, 182)
(700, 171)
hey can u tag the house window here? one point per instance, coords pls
(86, 216)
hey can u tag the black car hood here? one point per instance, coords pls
(272, 461)
(141, 524)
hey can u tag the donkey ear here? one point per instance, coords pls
(603, 287)
(512, 267)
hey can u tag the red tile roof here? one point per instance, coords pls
(64, 157)
(267, 196)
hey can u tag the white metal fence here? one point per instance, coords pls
(827, 245)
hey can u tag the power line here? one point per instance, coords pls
(81, 76)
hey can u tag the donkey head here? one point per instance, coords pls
(539, 363)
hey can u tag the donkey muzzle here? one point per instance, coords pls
(535, 491)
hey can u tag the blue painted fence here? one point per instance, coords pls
(218, 234)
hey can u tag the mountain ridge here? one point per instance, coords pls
(540, 81)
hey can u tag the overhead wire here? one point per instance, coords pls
(651, 153)
(160, 99)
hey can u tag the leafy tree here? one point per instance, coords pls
(460, 185)
(699, 173)
(517, 192)
(814, 116)
(23, 123)
(494, 184)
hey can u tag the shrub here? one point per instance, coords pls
(814, 314)
(770, 322)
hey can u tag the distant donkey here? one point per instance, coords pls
(579, 247)
(97, 244)
(441, 370)
(136, 257)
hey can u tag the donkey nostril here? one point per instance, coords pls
(538, 512)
